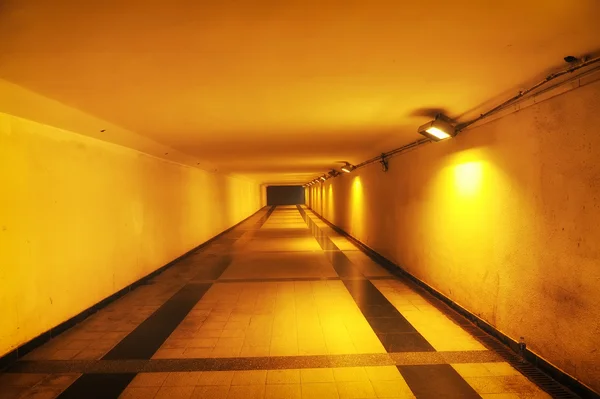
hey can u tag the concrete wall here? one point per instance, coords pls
(504, 220)
(81, 218)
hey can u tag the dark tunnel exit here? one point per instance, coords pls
(285, 195)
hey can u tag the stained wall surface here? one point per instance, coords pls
(503, 219)
(81, 218)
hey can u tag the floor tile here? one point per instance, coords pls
(285, 291)
(12, 392)
(20, 379)
(174, 392)
(211, 392)
(319, 390)
(253, 377)
(59, 380)
(343, 374)
(100, 384)
(283, 391)
(355, 390)
(139, 392)
(472, 370)
(181, 379)
(215, 378)
(283, 377)
(148, 380)
(391, 389)
(434, 381)
(501, 369)
(383, 373)
(487, 385)
(316, 375)
(246, 392)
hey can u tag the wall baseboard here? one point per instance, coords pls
(514, 357)
(9, 358)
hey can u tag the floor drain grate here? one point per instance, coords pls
(534, 374)
(542, 380)
(531, 372)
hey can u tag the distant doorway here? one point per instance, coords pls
(285, 195)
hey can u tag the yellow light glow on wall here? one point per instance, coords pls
(323, 199)
(357, 210)
(462, 200)
(329, 215)
(468, 178)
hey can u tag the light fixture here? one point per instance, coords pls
(348, 168)
(438, 129)
(323, 178)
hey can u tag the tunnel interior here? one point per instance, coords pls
(299, 199)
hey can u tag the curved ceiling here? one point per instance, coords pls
(281, 90)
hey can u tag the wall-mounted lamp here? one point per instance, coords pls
(348, 168)
(438, 129)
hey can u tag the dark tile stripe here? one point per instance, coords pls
(252, 363)
(545, 375)
(342, 265)
(263, 219)
(394, 331)
(215, 270)
(13, 356)
(141, 343)
(98, 386)
(436, 381)
(147, 338)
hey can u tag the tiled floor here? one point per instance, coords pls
(279, 307)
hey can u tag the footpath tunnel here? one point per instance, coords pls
(299, 199)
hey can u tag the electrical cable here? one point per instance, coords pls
(522, 93)
(383, 157)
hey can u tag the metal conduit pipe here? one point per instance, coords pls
(383, 157)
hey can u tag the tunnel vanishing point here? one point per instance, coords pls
(299, 199)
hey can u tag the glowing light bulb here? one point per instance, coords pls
(440, 134)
